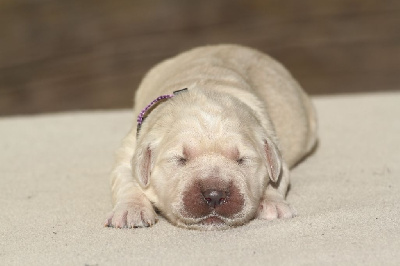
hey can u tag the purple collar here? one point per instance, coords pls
(142, 114)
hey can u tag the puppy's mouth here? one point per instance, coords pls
(212, 220)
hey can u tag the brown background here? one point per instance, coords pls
(73, 55)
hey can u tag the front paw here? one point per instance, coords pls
(274, 209)
(131, 215)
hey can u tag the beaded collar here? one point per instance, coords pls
(142, 114)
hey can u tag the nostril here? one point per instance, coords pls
(214, 197)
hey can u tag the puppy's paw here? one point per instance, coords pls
(275, 209)
(131, 215)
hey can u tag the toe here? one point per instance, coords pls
(285, 211)
(271, 210)
(108, 221)
(119, 219)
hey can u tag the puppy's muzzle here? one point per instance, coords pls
(212, 197)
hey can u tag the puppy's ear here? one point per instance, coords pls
(142, 165)
(274, 160)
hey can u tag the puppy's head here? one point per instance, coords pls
(205, 165)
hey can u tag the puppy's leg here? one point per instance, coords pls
(273, 204)
(131, 207)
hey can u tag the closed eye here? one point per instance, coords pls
(180, 160)
(246, 160)
(242, 160)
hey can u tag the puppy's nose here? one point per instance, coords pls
(214, 198)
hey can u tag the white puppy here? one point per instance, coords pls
(218, 153)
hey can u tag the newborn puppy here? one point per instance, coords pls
(217, 153)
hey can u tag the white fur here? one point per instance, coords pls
(238, 99)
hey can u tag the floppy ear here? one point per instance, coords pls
(142, 165)
(274, 160)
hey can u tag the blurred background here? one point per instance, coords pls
(60, 55)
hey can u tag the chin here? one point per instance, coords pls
(209, 223)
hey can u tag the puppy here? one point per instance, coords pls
(217, 152)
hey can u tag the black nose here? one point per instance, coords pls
(214, 198)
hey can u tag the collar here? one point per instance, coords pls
(142, 114)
